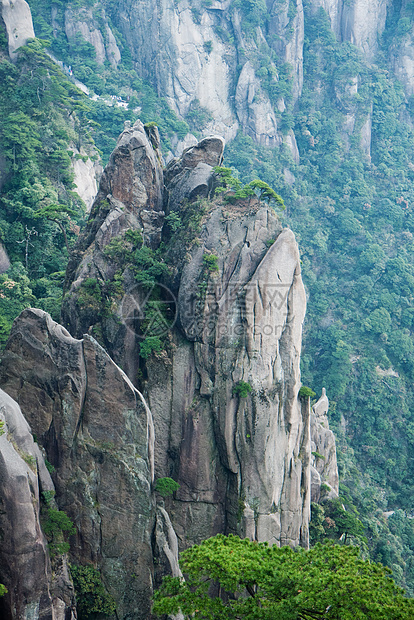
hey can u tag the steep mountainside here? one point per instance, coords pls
(240, 278)
(317, 98)
(216, 353)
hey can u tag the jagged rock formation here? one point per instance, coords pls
(324, 467)
(242, 458)
(131, 196)
(17, 19)
(33, 590)
(240, 322)
(242, 462)
(97, 432)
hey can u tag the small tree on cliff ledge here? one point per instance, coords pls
(328, 582)
(257, 187)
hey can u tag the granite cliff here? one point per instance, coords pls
(215, 407)
(36, 589)
(240, 64)
(239, 309)
(97, 432)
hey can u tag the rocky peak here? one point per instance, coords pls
(17, 18)
(218, 409)
(191, 175)
(240, 410)
(130, 197)
(240, 308)
(324, 467)
(132, 182)
(209, 152)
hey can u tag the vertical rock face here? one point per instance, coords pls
(33, 591)
(402, 50)
(97, 432)
(225, 423)
(324, 467)
(86, 172)
(82, 21)
(132, 182)
(360, 22)
(363, 22)
(191, 53)
(241, 459)
(17, 18)
(245, 331)
(130, 197)
(254, 109)
(287, 20)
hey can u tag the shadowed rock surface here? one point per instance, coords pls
(97, 432)
(34, 591)
(242, 461)
(242, 458)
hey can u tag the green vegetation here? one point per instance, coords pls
(50, 468)
(93, 600)
(350, 205)
(233, 190)
(56, 527)
(149, 345)
(39, 211)
(306, 392)
(166, 486)
(242, 389)
(105, 79)
(258, 581)
(210, 261)
(351, 210)
(331, 521)
(48, 496)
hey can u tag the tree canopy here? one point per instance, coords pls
(231, 578)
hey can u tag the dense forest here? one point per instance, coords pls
(351, 211)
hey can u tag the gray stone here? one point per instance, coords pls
(247, 328)
(254, 110)
(34, 591)
(130, 197)
(18, 21)
(83, 21)
(97, 431)
(323, 447)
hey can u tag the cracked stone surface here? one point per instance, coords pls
(97, 432)
(34, 590)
